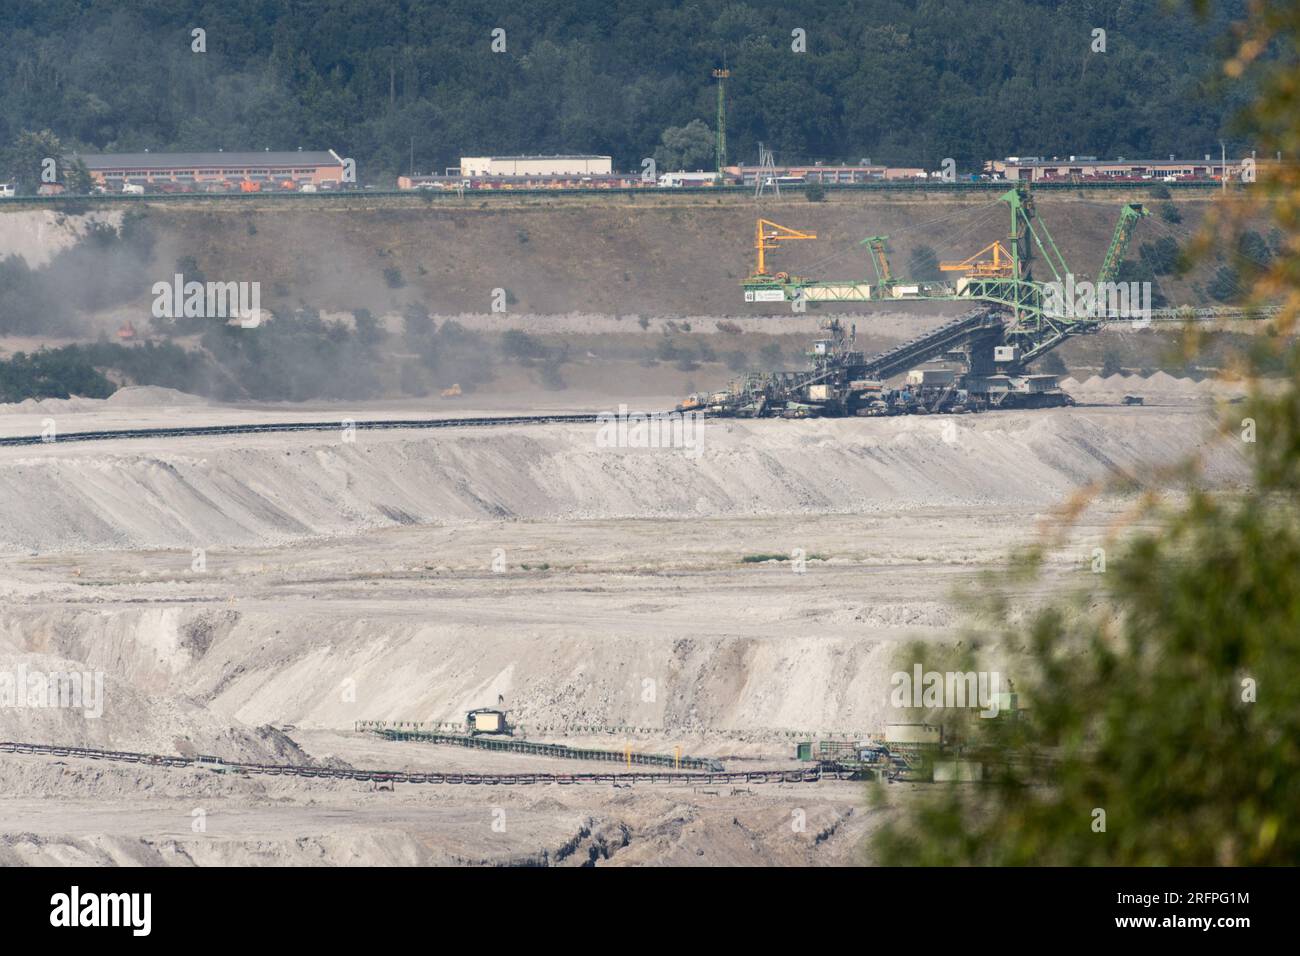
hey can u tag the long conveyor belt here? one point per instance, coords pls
(931, 344)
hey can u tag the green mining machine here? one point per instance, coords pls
(1034, 329)
(1005, 281)
(1014, 325)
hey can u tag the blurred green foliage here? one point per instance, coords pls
(1167, 696)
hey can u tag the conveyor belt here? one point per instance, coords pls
(930, 345)
(512, 745)
(800, 775)
(271, 427)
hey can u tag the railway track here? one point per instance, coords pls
(277, 427)
(424, 198)
(801, 775)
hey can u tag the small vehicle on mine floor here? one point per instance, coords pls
(798, 410)
(487, 720)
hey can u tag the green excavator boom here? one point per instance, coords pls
(1128, 217)
(879, 260)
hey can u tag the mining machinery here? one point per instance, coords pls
(992, 345)
(842, 380)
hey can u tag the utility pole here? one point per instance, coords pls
(721, 148)
(1223, 165)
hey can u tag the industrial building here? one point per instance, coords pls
(827, 175)
(540, 166)
(574, 181)
(184, 172)
(683, 178)
(1035, 169)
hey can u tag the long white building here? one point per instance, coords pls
(577, 165)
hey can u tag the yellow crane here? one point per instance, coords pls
(998, 267)
(767, 238)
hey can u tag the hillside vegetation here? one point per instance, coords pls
(396, 82)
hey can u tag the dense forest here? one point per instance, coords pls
(396, 83)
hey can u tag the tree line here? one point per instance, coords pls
(397, 84)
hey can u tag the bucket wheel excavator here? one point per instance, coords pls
(1013, 324)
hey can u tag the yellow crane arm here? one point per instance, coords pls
(769, 235)
(998, 266)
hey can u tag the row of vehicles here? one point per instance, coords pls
(128, 188)
(225, 186)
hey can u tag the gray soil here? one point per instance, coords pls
(602, 593)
